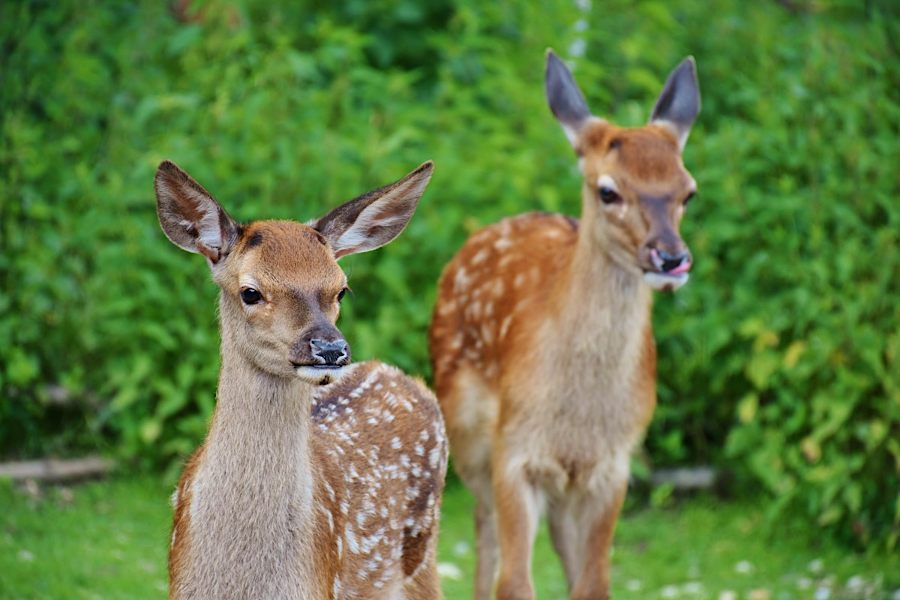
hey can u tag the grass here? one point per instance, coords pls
(109, 540)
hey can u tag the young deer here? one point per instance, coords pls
(541, 343)
(303, 490)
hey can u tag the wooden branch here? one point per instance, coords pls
(54, 471)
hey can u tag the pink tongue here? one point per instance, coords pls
(682, 268)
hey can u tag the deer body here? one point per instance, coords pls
(542, 346)
(302, 489)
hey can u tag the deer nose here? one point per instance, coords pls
(672, 264)
(330, 352)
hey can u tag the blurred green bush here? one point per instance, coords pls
(779, 360)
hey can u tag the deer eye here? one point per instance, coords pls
(341, 294)
(608, 195)
(250, 295)
(689, 198)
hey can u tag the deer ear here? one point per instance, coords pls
(190, 217)
(679, 103)
(374, 219)
(565, 98)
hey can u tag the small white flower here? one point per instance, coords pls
(577, 48)
(670, 591)
(744, 567)
(822, 593)
(633, 585)
(728, 595)
(461, 548)
(804, 583)
(856, 583)
(815, 566)
(692, 587)
(896, 595)
(449, 571)
(26, 556)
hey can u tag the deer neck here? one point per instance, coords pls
(603, 302)
(262, 417)
(252, 504)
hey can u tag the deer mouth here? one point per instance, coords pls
(665, 282)
(668, 273)
(318, 374)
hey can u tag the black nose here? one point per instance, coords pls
(671, 262)
(330, 352)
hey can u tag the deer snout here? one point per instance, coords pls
(666, 266)
(320, 356)
(321, 347)
(671, 263)
(330, 352)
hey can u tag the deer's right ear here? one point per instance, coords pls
(565, 98)
(190, 217)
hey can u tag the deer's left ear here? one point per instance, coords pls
(374, 219)
(679, 102)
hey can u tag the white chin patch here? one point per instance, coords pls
(665, 283)
(319, 375)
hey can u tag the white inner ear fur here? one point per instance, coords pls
(571, 133)
(681, 134)
(358, 234)
(387, 211)
(209, 230)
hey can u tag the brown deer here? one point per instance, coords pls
(318, 478)
(542, 348)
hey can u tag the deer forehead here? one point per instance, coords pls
(646, 159)
(286, 254)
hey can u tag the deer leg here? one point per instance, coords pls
(486, 547)
(565, 538)
(598, 522)
(517, 518)
(426, 584)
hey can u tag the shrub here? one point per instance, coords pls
(778, 361)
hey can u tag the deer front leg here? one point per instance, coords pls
(486, 546)
(565, 537)
(598, 522)
(517, 518)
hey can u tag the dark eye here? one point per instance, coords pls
(250, 296)
(689, 197)
(341, 294)
(608, 195)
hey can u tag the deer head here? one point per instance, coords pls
(281, 286)
(635, 188)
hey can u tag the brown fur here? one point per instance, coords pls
(544, 360)
(302, 490)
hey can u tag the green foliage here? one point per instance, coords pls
(119, 530)
(779, 360)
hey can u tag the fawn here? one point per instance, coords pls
(303, 490)
(542, 348)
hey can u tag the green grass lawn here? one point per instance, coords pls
(109, 540)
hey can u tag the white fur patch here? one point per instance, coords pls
(606, 181)
(667, 283)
